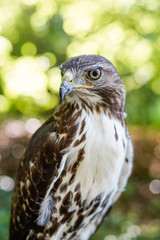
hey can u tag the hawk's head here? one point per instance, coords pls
(94, 78)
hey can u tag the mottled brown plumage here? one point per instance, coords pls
(79, 161)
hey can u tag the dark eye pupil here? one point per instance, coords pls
(94, 73)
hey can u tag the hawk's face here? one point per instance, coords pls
(92, 75)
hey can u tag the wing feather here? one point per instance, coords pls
(36, 171)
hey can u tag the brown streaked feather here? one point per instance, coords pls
(41, 160)
(37, 178)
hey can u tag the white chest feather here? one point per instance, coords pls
(104, 154)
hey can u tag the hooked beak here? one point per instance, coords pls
(66, 88)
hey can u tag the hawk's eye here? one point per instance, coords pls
(94, 74)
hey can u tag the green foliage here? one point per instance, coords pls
(37, 36)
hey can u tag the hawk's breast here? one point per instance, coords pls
(103, 154)
(89, 179)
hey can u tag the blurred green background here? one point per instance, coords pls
(38, 35)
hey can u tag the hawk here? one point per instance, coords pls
(78, 162)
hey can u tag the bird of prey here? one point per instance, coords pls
(78, 162)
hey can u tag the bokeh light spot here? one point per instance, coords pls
(5, 45)
(6, 183)
(133, 231)
(147, 24)
(54, 79)
(115, 33)
(51, 57)
(38, 21)
(47, 101)
(26, 77)
(45, 10)
(15, 129)
(83, 21)
(145, 73)
(18, 150)
(154, 186)
(43, 63)
(141, 51)
(32, 125)
(29, 48)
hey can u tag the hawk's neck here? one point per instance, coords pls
(91, 104)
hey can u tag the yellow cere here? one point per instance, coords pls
(68, 76)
